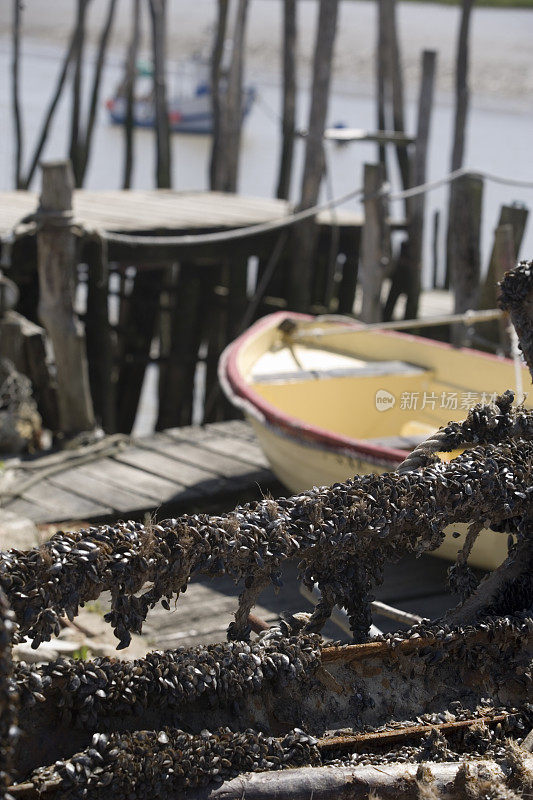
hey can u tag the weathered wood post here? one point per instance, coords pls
(515, 216)
(288, 126)
(375, 245)
(15, 85)
(304, 237)
(390, 85)
(228, 103)
(461, 112)
(163, 151)
(464, 252)
(133, 48)
(505, 251)
(56, 258)
(417, 205)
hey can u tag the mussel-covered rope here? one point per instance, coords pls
(342, 534)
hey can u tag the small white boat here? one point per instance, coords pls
(189, 103)
(329, 400)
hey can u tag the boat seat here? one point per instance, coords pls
(362, 369)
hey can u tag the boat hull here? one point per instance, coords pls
(185, 115)
(299, 465)
(309, 428)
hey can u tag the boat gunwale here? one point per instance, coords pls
(243, 396)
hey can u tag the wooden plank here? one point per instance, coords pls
(185, 475)
(154, 488)
(26, 508)
(219, 463)
(63, 504)
(234, 428)
(118, 498)
(240, 449)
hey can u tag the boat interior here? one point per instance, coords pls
(360, 383)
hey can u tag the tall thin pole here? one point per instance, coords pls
(289, 99)
(130, 93)
(304, 236)
(163, 169)
(216, 78)
(15, 72)
(85, 146)
(77, 83)
(462, 97)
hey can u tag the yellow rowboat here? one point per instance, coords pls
(329, 400)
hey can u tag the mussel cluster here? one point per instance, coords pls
(145, 764)
(85, 691)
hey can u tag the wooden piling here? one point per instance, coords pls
(162, 129)
(176, 375)
(131, 72)
(506, 249)
(15, 70)
(139, 313)
(87, 137)
(375, 244)
(98, 334)
(24, 343)
(288, 124)
(56, 251)
(49, 116)
(464, 254)
(75, 148)
(461, 112)
(216, 77)
(304, 237)
(225, 160)
(417, 205)
(515, 216)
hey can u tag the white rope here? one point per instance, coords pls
(296, 217)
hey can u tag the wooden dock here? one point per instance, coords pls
(183, 469)
(212, 468)
(163, 211)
